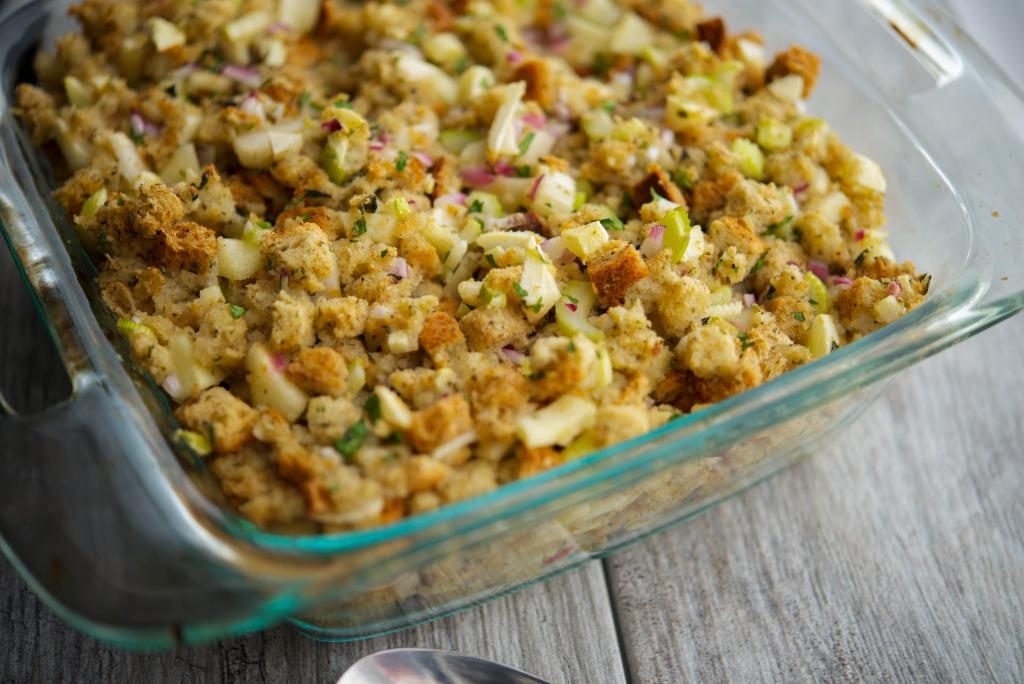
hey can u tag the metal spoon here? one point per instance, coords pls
(428, 666)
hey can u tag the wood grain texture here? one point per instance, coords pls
(896, 555)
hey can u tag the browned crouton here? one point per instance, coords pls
(222, 417)
(250, 481)
(328, 219)
(446, 177)
(729, 231)
(656, 181)
(302, 251)
(541, 85)
(155, 210)
(443, 421)
(709, 196)
(424, 473)
(615, 269)
(533, 461)
(319, 370)
(712, 32)
(492, 329)
(793, 316)
(341, 317)
(796, 60)
(186, 246)
(440, 336)
(38, 109)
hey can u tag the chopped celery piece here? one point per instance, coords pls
(573, 310)
(558, 423)
(493, 299)
(398, 206)
(677, 233)
(579, 200)
(586, 240)
(487, 203)
(198, 443)
(605, 371)
(749, 157)
(254, 230)
(332, 159)
(823, 337)
(720, 295)
(455, 140)
(93, 204)
(129, 327)
(773, 135)
(597, 124)
(818, 293)
(508, 238)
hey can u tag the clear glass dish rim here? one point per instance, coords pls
(941, 319)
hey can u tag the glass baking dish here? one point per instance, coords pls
(125, 539)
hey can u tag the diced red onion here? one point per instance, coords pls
(557, 128)
(376, 145)
(279, 27)
(554, 249)
(513, 354)
(247, 76)
(532, 194)
(859, 235)
(895, 289)
(801, 187)
(818, 268)
(749, 299)
(332, 126)
(142, 127)
(458, 198)
(424, 159)
(503, 167)
(172, 384)
(793, 263)
(477, 177)
(841, 281)
(399, 268)
(571, 307)
(534, 120)
(279, 362)
(514, 56)
(560, 43)
(654, 241)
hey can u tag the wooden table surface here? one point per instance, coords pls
(897, 554)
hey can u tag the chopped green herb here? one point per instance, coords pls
(655, 197)
(612, 223)
(372, 407)
(462, 64)
(343, 104)
(525, 143)
(491, 260)
(681, 177)
(395, 437)
(745, 342)
(304, 99)
(536, 307)
(608, 106)
(813, 302)
(352, 440)
(757, 265)
(524, 171)
(559, 11)
(835, 345)
(417, 35)
(360, 226)
(572, 346)
(572, 299)
(502, 32)
(774, 228)
(383, 253)
(799, 315)
(403, 159)
(860, 258)
(237, 311)
(602, 63)
(136, 137)
(626, 203)
(798, 235)
(476, 206)
(520, 290)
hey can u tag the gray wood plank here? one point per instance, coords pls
(562, 630)
(896, 555)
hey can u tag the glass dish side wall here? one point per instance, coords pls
(356, 584)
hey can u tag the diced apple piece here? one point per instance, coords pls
(823, 337)
(300, 15)
(183, 165)
(193, 377)
(269, 385)
(558, 423)
(253, 149)
(238, 259)
(586, 240)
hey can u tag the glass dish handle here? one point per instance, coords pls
(979, 115)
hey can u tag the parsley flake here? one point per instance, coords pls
(608, 106)
(476, 206)
(237, 311)
(352, 440)
(491, 260)
(525, 143)
(403, 160)
(520, 290)
(372, 407)
(502, 32)
(613, 223)
(360, 226)
(799, 315)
